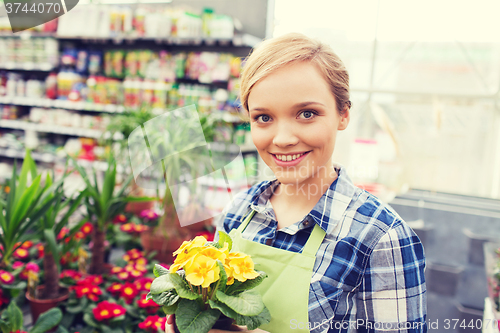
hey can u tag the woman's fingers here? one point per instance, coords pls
(169, 326)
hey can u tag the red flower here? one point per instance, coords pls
(123, 275)
(127, 227)
(116, 270)
(208, 235)
(86, 288)
(148, 214)
(115, 288)
(17, 264)
(64, 231)
(141, 261)
(149, 305)
(6, 277)
(31, 266)
(27, 245)
(133, 255)
(80, 235)
(140, 228)
(120, 219)
(129, 292)
(41, 251)
(107, 310)
(70, 273)
(143, 284)
(21, 253)
(87, 228)
(153, 324)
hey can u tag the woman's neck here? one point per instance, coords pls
(307, 193)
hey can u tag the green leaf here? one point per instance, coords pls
(224, 238)
(61, 329)
(159, 270)
(87, 318)
(170, 310)
(248, 284)
(162, 284)
(19, 285)
(47, 320)
(166, 298)
(252, 322)
(226, 310)
(75, 309)
(15, 317)
(248, 303)
(221, 284)
(190, 318)
(182, 287)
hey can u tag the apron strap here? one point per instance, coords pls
(245, 222)
(314, 242)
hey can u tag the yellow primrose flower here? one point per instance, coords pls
(182, 260)
(230, 274)
(215, 253)
(243, 268)
(186, 246)
(202, 271)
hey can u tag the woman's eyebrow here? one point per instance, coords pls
(298, 105)
(304, 104)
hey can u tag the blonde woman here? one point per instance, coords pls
(338, 259)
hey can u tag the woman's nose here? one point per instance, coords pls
(285, 136)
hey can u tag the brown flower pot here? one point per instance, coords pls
(39, 306)
(163, 246)
(137, 207)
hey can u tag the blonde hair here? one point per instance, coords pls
(276, 53)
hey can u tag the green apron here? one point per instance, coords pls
(285, 291)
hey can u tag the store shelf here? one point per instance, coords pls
(51, 158)
(243, 40)
(28, 66)
(24, 125)
(55, 103)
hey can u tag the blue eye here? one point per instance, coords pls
(263, 118)
(307, 114)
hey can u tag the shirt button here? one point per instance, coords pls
(306, 223)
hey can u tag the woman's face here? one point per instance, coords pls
(294, 123)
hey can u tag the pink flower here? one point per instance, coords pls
(148, 214)
(31, 266)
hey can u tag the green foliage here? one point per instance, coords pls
(104, 203)
(159, 270)
(195, 312)
(11, 320)
(191, 318)
(27, 203)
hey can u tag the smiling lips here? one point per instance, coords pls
(289, 159)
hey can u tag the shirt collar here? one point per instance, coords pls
(328, 210)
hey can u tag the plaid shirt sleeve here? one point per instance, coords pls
(392, 294)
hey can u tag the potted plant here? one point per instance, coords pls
(49, 227)
(103, 203)
(27, 202)
(208, 286)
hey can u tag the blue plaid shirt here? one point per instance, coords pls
(369, 271)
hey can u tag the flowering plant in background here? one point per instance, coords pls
(125, 285)
(208, 281)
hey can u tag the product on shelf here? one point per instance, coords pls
(65, 118)
(9, 111)
(31, 53)
(144, 21)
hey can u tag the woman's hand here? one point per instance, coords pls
(169, 327)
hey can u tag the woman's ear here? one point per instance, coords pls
(344, 119)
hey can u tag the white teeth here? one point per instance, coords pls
(287, 158)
